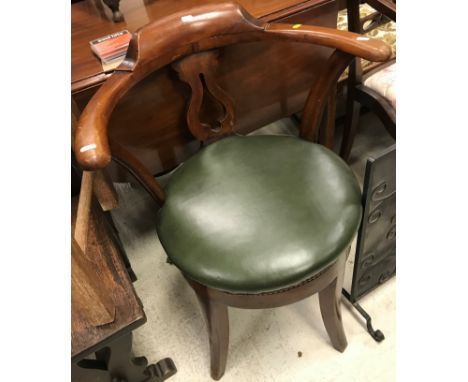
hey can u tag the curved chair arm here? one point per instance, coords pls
(347, 42)
(91, 143)
(200, 28)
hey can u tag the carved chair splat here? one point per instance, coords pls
(197, 70)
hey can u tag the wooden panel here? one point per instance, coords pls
(101, 253)
(94, 302)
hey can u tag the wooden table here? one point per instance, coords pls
(266, 81)
(105, 311)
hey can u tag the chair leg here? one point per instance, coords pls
(350, 129)
(217, 319)
(330, 307)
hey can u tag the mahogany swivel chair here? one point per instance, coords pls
(250, 221)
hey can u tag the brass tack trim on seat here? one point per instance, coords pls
(302, 283)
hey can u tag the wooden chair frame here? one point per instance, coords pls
(328, 283)
(197, 33)
(358, 94)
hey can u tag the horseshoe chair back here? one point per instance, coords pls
(205, 29)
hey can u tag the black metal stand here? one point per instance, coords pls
(377, 335)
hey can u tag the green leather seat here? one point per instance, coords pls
(259, 213)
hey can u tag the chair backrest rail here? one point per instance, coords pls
(205, 28)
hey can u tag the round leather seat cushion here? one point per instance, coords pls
(252, 214)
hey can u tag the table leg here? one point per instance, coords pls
(114, 7)
(116, 363)
(89, 371)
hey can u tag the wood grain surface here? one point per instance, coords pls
(167, 40)
(266, 80)
(102, 264)
(91, 19)
(89, 295)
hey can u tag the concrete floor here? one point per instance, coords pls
(275, 345)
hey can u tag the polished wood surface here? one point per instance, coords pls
(104, 266)
(198, 71)
(265, 80)
(90, 19)
(162, 42)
